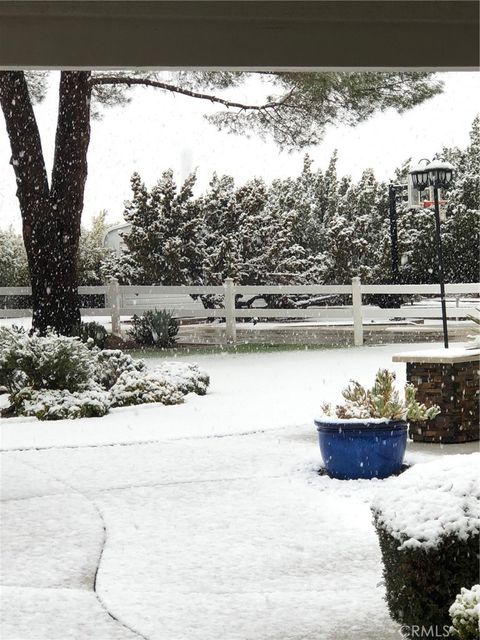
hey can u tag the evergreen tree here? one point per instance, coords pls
(460, 227)
(13, 260)
(166, 232)
(223, 222)
(92, 253)
(251, 199)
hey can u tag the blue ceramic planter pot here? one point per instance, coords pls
(353, 449)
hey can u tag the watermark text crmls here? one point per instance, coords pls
(421, 631)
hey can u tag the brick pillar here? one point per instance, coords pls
(455, 389)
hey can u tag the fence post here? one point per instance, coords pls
(113, 302)
(229, 304)
(357, 312)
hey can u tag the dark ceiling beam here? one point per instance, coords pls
(230, 33)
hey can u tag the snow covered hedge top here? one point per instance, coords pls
(432, 501)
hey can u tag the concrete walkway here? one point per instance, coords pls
(234, 538)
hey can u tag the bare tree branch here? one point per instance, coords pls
(147, 82)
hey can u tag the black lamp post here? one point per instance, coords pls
(393, 190)
(435, 174)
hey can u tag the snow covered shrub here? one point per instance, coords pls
(55, 377)
(55, 404)
(111, 363)
(155, 328)
(12, 340)
(140, 387)
(92, 333)
(381, 401)
(428, 525)
(465, 614)
(43, 362)
(188, 378)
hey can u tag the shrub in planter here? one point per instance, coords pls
(92, 333)
(366, 436)
(154, 328)
(428, 525)
(111, 363)
(188, 378)
(56, 404)
(465, 614)
(140, 387)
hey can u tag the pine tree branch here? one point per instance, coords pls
(146, 82)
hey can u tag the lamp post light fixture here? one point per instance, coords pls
(436, 174)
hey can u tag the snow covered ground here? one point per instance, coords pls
(202, 521)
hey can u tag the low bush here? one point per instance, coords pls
(92, 333)
(55, 377)
(140, 387)
(111, 363)
(49, 362)
(56, 404)
(428, 526)
(157, 328)
(465, 614)
(188, 378)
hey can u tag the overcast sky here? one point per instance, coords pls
(157, 131)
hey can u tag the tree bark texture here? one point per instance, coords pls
(50, 215)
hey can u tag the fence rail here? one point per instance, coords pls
(122, 300)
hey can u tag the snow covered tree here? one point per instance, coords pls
(354, 230)
(92, 252)
(295, 116)
(251, 199)
(285, 258)
(223, 222)
(460, 228)
(163, 242)
(13, 260)
(462, 225)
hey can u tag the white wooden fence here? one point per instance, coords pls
(128, 300)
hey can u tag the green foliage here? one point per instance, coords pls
(308, 102)
(465, 614)
(381, 401)
(92, 333)
(422, 583)
(154, 328)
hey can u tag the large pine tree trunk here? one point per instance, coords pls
(51, 216)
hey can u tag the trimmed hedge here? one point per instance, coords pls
(422, 583)
(428, 526)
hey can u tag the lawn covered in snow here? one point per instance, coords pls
(201, 521)
(248, 392)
